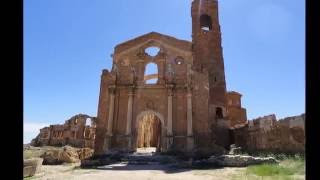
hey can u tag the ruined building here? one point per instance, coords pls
(184, 106)
(236, 113)
(269, 134)
(78, 131)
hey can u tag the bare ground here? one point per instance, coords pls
(123, 171)
(135, 172)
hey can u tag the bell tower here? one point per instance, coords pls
(207, 56)
(207, 49)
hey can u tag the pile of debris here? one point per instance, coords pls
(31, 166)
(232, 159)
(66, 154)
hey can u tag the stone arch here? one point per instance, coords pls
(159, 115)
(163, 127)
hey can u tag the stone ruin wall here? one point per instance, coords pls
(75, 132)
(267, 134)
(236, 113)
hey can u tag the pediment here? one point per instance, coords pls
(153, 39)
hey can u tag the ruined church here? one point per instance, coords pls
(183, 106)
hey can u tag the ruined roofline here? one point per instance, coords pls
(199, 1)
(183, 44)
(238, 126)
(278, 120)
(292, 117)
(264, 117)
(234, 92)
(73, 117)
(80, 115)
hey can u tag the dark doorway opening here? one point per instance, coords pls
(219, 113)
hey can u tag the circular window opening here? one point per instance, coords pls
(152, 51)
(179, 61)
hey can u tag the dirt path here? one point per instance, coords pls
(133, 172)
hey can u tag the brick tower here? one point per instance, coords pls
(207, 56)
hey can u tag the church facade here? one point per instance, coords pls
(182, 106)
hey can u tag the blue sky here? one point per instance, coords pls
(68, 43)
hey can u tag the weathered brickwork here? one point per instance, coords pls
(267, 134)
(186, 108)
(78, 131)
(188, 99)
(236, 113)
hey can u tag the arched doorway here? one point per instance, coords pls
(149, 132)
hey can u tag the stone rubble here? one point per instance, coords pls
(31, 166)
(239, 160)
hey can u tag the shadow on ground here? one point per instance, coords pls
(167, 168)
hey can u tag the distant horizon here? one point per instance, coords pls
(67, 44)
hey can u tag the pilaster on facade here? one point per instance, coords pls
(169, 118)
(129, 111)
(112, 89)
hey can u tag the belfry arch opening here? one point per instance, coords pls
(149, 133)
(151, 74)
(205, 22)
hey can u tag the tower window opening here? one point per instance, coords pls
(219, 113)
(205, 22)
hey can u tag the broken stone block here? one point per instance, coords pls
(31, 166)
(234, 149)
(67, 154)
(239, 160)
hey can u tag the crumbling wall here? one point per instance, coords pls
(236, 114)
(76, 132)
(267, 134)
